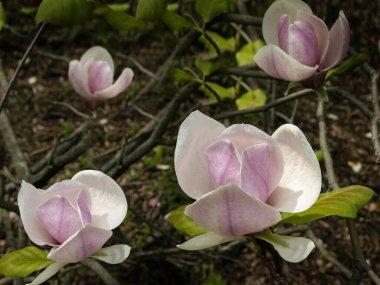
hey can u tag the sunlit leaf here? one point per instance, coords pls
(252, 99)
(347, 66)
(21, 263)
(150, 10)
(120, 20)
(184, 223)
(176, 22)
(222, 92)
(222, 43)
(120, 7)
(344, 202)
(179, 75)
(65, 12)
(247, 52)
(209, 9)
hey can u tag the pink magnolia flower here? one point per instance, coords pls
(299, 45)
(241, 177)
(92, 77)
(75, 217)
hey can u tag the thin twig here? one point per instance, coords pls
(239, 19)
(376, 115)
(71, 108)
(20, 65)
(101, 271)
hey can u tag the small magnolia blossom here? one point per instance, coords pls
(299, 45)
(75, 217)
(92, 77)
(241, 178)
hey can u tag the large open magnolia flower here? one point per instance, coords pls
(241, 178)
(299, 45)
(75, 217)
(92, 77)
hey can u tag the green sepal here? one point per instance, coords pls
(22, 262)
(184, 223)
(347, 66)
(65, 12)
(344, 202)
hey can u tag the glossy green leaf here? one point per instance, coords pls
(21, 263)
(64, 12)
(222, 43)
(222, 92)
(252, 99)
(120, 20)
(150, 10)
(247, 52)
(176, 22)
(347, 66)
(184, 223)
(344, 202)
(179, 75)
(209, 9)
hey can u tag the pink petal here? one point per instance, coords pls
(78, 79)
(206, 240)
(275, 11)
(283, 33)
(223, 163)
(320, 30)
(244, 136)
(97, 53)
(303, 44)
(301, 182)
(100, 76)
(229, 211)
(339, 39)
(113, 254)
(81, 245)
(279, 64)
(109, 205)
(84, 205)
(59, 218)
(49, 271)
(28, 200)
(262, 169)
(196, 133)
(120, 85)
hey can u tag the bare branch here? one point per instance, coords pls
(376, 115)
(101, 271)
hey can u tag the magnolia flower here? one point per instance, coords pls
(241, 178)
(299, 45)
(92, 77)
(75, 217)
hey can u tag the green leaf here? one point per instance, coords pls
(205, 66)
(184, 223)
(176, 22)
(64, 12)
(21, 263)
(347, 66)
(221, 91)
(252, 99)
(209, 9)
(150, 10)
(319, 155)
(247, 52)
(344, 202)
(121, 20)
(119, 7)
(222, 43)
(179, 75)
(2, 16)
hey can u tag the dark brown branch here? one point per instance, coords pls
(20, 65)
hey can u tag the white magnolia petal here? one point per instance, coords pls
(279, 64)
(196, 133)
(113, 254)
(207, 240)
(109, 204)
(291, 249)
(301, 182)
(47, 273)
(28, 200)
(120, 85)
(274, 13)
(78, 78)
(97, 53)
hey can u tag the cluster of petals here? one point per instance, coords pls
(300, 47)
(92, 77)
(75, 217)
(241, 177)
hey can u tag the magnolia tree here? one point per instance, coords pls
(248, 186)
